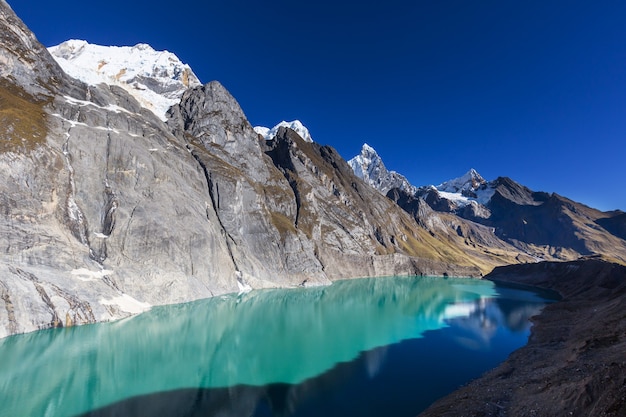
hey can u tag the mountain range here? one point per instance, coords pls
(539, 225)
(129, 183)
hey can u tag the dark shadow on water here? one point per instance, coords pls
(504, 288)
(401, 379)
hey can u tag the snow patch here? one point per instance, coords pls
(469, 187)
(263, 131)
(111, 107)
(461, 200)
(73, 123)
(127, 303)
(485, 194)
(87, 275)
(243, 286)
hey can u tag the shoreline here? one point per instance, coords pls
(132, 307)
(574, 362)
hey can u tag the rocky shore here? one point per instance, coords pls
(575, 361)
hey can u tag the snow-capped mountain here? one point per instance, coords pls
(369, 166)
(294, 125)
(157, 79)
(469, 187)
(471, 181)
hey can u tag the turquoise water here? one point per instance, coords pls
(244, 346)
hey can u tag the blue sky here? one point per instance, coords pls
(534, 90)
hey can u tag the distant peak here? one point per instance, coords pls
(367, 158)
(368, 152)
(143, 47)
(471, 180)
(367, 148)
(470, 186)
(369, 166)
(295, 125)
(474, 177)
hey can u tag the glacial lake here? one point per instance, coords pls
(363, 347)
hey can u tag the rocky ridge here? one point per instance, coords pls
(532, 226)
(369, 166)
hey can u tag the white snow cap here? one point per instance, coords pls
(157, 79)
(369, 166)
(469, 187)
(472, 180)
(294, 125)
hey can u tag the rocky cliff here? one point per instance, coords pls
(106, 209)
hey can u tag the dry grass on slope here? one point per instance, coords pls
(22, 119)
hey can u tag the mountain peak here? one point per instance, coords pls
(295, 125)
(369, 166)
(157, 79)
(368, 150)
(470, 181)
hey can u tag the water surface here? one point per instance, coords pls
(359, 347)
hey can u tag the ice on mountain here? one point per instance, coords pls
(294, 125)
(157, 79)
(369, 166)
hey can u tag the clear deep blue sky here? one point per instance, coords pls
(534, 90)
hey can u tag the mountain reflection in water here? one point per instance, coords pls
(359, 347)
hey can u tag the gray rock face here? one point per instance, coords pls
(108, 217)
(355, 230)
(292, 210)
(212, 117)
(22, 57)
(105, 215)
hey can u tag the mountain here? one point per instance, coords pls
(295, 125)
(538, 225)
(157, 79)
(469, 187)
(108, 206)
(369, 166)
(549, 225)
